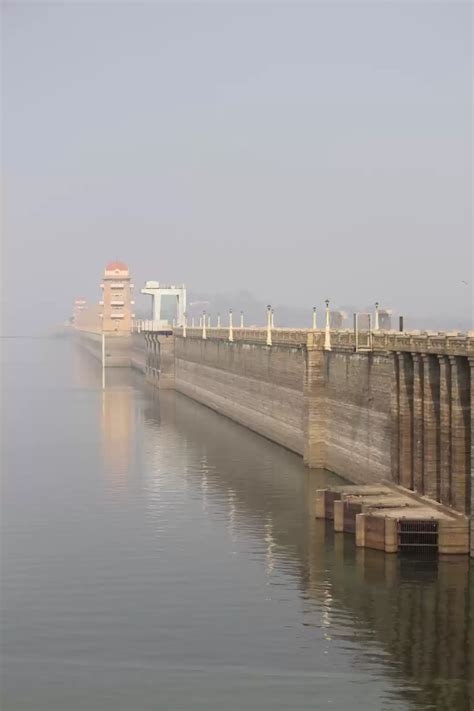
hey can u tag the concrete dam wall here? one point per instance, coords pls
(397, 410)
(139, 352)
(355, 401)
(331, 408)
(261, 388)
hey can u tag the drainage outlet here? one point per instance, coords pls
(417, 536)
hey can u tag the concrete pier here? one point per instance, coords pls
(393, 520)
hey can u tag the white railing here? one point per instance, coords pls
(450, 343)
(149, 325)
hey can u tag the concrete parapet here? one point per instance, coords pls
(436, 343)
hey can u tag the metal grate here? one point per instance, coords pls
(417, 536)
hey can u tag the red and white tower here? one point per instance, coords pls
(117, 298)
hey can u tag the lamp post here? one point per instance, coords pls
(314, 318)
(204, 318)
(269, 325)
(327, 333)
(376, 324)
(231, 330)
(241, 319)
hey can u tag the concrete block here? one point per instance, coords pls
(453, 536)
(325, 499)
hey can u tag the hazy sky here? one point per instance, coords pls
(300, 151)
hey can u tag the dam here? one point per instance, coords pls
(375, 407)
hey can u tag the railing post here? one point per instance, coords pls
(231, 332)
(269, 325)
(204, 334)
(327, 334)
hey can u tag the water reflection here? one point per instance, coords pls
(420, 612)
(117, 424)
(117, 416)
(406, 620)
(413, 618)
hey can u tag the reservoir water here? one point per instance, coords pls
(157, 556)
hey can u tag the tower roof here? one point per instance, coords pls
(116, 266)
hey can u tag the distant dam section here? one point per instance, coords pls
(115, 349)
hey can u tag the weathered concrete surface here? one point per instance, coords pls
(357, 415)
(257, 386)
(331, 407)
(165, 352)
(139, 352)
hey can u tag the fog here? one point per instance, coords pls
(291, 152)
